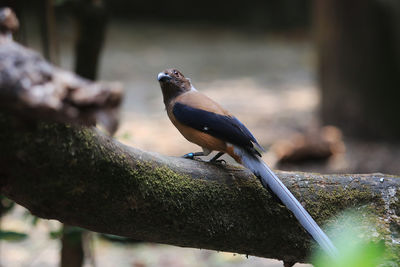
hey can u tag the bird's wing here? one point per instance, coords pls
(227, 128)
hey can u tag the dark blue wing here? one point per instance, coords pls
(223, 127)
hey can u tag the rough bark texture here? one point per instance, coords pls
(359, 67)
(83, 178)
(31, 86)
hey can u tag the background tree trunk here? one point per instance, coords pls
(91, 21)
(91, 18)
(72, 253)
(47, 20)
(359, 66)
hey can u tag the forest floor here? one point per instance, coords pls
(267, 81)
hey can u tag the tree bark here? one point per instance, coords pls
(34, 88)
(84, 178)
(359, 66)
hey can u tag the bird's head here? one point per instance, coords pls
(173, 83)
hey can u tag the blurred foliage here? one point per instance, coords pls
(355, 236)
(6, 205)
(74, 233)
(269, 15)
(29, 216)
(12, 236)
(272, 14)
(56, 234)
(59, 2)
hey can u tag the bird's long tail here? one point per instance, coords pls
(270, 180)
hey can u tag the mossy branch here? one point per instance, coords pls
(82, 177)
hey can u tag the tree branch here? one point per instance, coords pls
(82, 177)
(34, 88)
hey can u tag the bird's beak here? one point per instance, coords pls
(162, 77)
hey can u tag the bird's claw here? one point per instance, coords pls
(219, 161)
(188, 156)
(192, 156)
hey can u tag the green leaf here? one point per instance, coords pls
(353, 242)
(12, 236)
(56, 234)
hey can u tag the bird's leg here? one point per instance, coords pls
(216, 157)
(192, 155)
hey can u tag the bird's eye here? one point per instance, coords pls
(175, 72)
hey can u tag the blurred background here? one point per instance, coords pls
(317, 82)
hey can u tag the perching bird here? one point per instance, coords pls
(205, 123)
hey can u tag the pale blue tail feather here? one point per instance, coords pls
(268, 178)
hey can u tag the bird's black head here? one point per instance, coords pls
(173, 83)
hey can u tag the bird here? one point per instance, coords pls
(204, 122)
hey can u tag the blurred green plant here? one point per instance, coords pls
(12, 236)
(59, 2)
(357, 238)
(6, 205)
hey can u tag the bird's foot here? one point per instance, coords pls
(192, 155)
(188, 156)
(218, 161)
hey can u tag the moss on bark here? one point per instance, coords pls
(83, 178)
